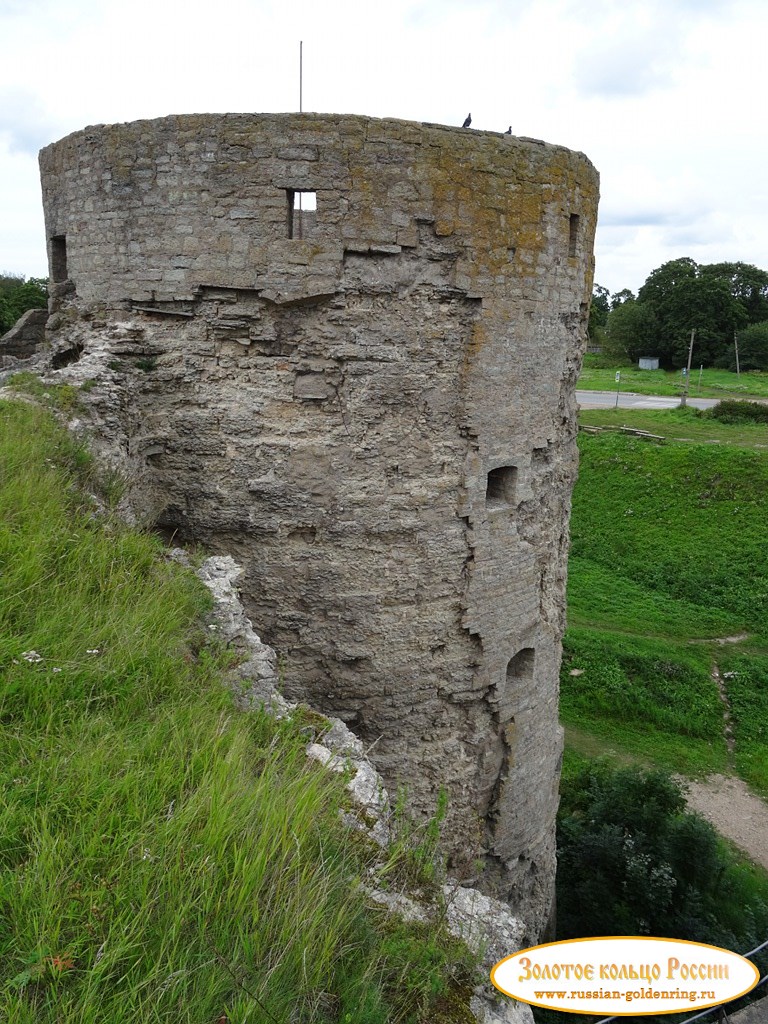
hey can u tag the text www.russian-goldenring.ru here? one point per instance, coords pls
(642, 993)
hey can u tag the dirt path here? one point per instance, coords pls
(725, 800)
(728, 804)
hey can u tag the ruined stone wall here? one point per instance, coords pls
(370, 404)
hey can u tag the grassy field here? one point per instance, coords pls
(679, 425)
(164, 858)
(597, 376)
(669, 555)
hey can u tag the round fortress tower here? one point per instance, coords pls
(360, 341)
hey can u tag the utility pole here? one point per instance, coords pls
(684, 396)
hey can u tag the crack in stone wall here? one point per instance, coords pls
(376, 419)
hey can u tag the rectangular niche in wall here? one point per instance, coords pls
(502, 485)
(59, 258)
(573, 234)
(302, 212)
(520, 671)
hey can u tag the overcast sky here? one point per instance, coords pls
(666, 97)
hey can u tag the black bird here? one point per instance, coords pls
(508, 131)
(468, 121)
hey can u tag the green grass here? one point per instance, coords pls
(600, 595)
(596, 376)
(686, 521)
(669, 553)
(162, 856)
(748, 694)
(652, 699)
(679, 425)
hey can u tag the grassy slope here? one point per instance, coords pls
(670, 544)
(162, 857)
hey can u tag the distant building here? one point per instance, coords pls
(648, 362)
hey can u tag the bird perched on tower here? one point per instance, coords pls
(467, 121)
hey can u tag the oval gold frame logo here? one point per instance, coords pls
(625, 976)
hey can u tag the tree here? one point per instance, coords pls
(17, 295)
(753, 349)
(625, 295)
(598, 312)
(662, 294)
(706, 305)
(746, 283)
(715, 300)
(630, 330)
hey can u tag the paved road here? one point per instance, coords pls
(629, 400)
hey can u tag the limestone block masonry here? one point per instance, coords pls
(344, 350)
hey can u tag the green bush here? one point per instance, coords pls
(631, 861)
(732, 411)
(604, 361)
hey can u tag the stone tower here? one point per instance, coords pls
(345, 351)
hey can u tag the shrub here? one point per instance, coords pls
(732, 411)
(632, 861)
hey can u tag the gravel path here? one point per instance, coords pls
(728, 804)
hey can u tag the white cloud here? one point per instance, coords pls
(25, 122)
(661, 95)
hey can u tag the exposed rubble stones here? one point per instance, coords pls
(257, 673)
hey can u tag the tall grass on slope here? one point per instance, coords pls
(162, 858)
(670, 548)
(688, 522)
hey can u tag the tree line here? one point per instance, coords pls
(726, 304)
(17, 295)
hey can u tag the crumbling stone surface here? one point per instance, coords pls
(258, 669)
(485, 925)
(756, 1013)
(490, 1009)
(255, 684)
(370, 404)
